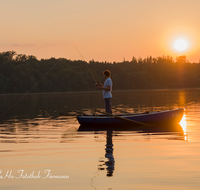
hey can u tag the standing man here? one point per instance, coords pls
(107, 89)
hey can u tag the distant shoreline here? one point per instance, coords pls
(20, 74)
(97, 91)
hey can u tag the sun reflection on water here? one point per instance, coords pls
(183, 124)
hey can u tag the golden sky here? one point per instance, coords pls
(106, 30)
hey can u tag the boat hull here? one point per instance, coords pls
(156, 118)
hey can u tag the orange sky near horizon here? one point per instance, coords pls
(101, 30)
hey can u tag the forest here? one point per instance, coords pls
(21, 74)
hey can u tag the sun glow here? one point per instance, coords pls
(181, 40)
(180, 45)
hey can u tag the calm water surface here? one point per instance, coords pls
(35, 138)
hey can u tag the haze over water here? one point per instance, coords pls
(34, 137)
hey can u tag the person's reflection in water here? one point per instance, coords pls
(109, 155)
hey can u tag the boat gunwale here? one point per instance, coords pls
(127, 115)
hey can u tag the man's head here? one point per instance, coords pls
(107, 73)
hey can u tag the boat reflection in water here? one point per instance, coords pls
(180, 128)
(170, 132)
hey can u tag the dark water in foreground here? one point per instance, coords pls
(35, 138)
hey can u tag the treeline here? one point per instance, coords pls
(20, 73)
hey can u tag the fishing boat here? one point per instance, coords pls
(147, 118)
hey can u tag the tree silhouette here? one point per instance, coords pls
(19, 73)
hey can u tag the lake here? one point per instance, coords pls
(42, 150)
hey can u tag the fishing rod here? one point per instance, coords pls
(97, 82)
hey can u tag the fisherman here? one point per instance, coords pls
(107, 89)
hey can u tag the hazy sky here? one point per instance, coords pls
(102, 30)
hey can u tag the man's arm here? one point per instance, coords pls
(103, 88)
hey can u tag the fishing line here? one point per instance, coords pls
(30, 89)
(87, 67)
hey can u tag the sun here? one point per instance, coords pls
(180, 45)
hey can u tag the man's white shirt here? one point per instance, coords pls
(106, 93)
